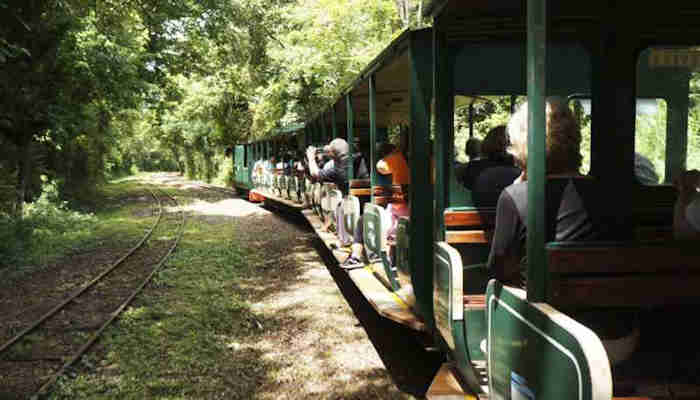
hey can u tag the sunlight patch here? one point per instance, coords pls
(228, 208)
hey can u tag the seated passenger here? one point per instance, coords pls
(335, 170)
(338, 151)
(507, 255)
(686, 214)
(395, 164)
(644, 170)
(507, 258)
(487, 176)
(473, 148)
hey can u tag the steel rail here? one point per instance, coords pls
(44, 388)
(80, 291)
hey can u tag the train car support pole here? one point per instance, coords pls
(537, 272)
(351, 137)
(334, 122)
(421, 192)
(324, 128)
(372, 135)
(444, 124)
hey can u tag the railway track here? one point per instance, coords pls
(46, 349)
(218, 189)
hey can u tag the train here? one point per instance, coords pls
(501, 341)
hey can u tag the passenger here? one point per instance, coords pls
(507, 255)
(487, 176)
(473, 148)
(644, 170)
(686, 213)
(359, 162)
(618, 329)
(338, 150)
(395, 164)
(326, 161)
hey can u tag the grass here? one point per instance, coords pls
(221, 322)
(183, 339)
(51, 231)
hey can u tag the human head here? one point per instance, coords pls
(496, 141)
(384, 149)
(473, 148)
(337, 148)
(644, 170)
(563, 140)
(687, 182)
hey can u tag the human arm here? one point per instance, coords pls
(504, 256)
(383, 167)
(311, 158)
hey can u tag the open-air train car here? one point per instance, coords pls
(391, 94)
(501, 341)
(561, 337)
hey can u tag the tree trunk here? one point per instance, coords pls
(24, 164)
(209, 167)
(176, 154)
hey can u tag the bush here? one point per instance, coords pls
(47, 229)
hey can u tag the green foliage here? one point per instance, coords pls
(331, 41)
(488, 112)
(183, 342)
(47, 229)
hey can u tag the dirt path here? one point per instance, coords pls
(322, 349)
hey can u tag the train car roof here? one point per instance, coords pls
(391, 69)
(472, 19)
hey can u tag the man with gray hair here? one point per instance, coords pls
(338, 150)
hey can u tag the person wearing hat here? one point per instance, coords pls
(686, 214)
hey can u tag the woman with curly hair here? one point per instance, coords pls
(563, 143)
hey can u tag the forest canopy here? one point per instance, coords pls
(96, 89)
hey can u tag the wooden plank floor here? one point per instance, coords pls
(383, 300)
(278, 200)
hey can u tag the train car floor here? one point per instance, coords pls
(446, 386)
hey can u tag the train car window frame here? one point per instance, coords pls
(674, 61)
(583, 115)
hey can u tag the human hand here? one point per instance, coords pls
(310, 152)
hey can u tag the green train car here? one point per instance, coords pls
(242, 167)
(619, 65)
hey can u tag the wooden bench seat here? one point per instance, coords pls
(474, 301)
(459, 225)
(470, 218)
(360, 187)
(360, 191)
(623, 274)
(359, 183)
(467, 237)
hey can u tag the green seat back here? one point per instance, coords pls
(351, 213)
(402, 243)
(377, 222)
(535, 351)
